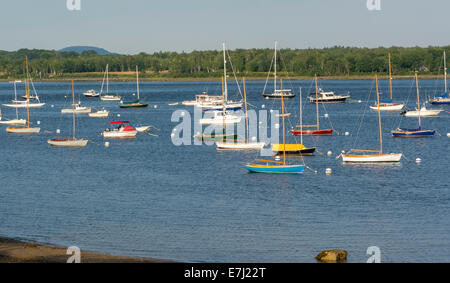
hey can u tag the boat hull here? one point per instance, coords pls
(404, 133)
(24, 105)
(388, 107)
(275, 169)
(119, 134)
(423, 113)
(61, 142)
(327, 132)
(23, 130)
(240, 146)
(330, 100)
(80, 111)
(305, 151)
(372, 158)
(99, 114)
(217, 137)
(133, 105)
(277, 96)
(110, 98)
(14, 122)
(228, 120)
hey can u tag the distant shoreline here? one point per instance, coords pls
(164, 79)
(16, 251)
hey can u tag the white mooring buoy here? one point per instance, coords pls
(38, 122)
(325, 115)
(329, 153)
(347, 133)
(106, 144)
(328, 171)
(448, 135)
(418, 160)
(58, 131)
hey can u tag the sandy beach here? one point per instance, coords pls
(15, 251)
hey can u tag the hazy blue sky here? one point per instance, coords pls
(184, 25)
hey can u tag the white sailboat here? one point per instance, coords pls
(91, 93)
(241, 145)
(372, 156)
(69, 142)
(277, 93)
(25, 129)
(388, 105)
(108, 96)
(27, 102)
(422, 111)
(16, 121)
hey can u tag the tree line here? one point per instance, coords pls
(335, 61)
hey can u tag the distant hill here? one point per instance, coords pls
(81, 49)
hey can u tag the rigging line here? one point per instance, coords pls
(400, 119)
(234, 74)
(268, 74)
(364, 114)
(287, 72)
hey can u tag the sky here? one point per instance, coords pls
(133, 26)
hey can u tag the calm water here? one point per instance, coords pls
(146, 197)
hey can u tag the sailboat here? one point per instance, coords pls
(27, 129)
(277, 167)
(317, 131)
(444, 98)
(401, 132)
(27, 102)
(136, 103)
(295, 149)
(377, 156)
(108, 96)
(388, 105)
(17, 120)
(277, 93)
(246, 144)
(220, 136)
(73, 141)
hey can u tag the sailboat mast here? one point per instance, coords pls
(246, 116)
(445, 72)
(390, 75)
(15, 98)
(107, 79)
(73, 110)
(27, 91)
(301, 117)
(223, 108)
(137, 81)
(418, 99)
(317, 103)
(225, 73)
(275, 70)
(379, 115)
(282, 115)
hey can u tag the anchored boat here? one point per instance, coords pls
(444, 98)
(136, 103)
(123, 130)
(377, 156)
(73, 141)
(401, 132)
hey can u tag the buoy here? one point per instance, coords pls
(418, 160)
(253, 138)
(328, 171)
(277, 158)
(38, 122)
(326, 115)
(271, 110)
(359, 101)
(118, 115)
(347, 133)
(263, 106)
(106, 144)
(58, 131)
(448, 135)
(156, 106)
(121, 102)
(329, 153)
(53, 105)
(342, 151)
(277, 126)
(134, 94)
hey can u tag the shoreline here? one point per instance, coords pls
(250, 78)
(19, 251)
